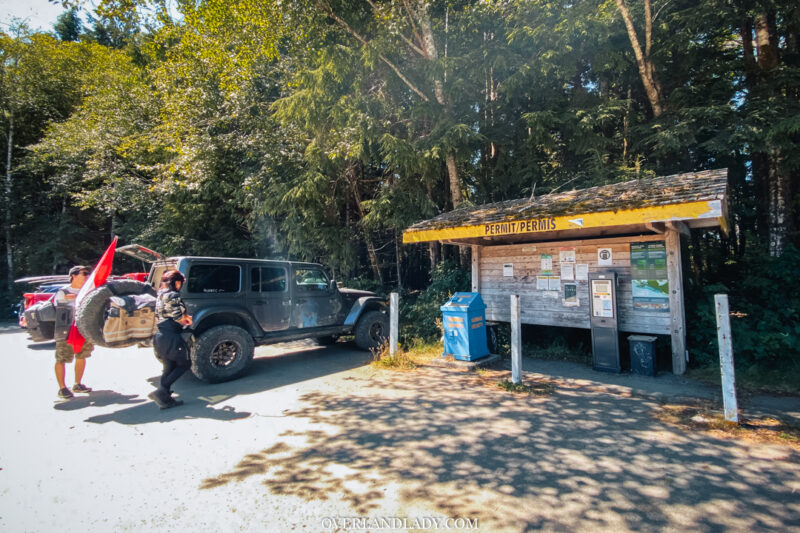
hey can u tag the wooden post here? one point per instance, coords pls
(516, 341)
(476, 269)
(394, 312)
(726, 358)
(676, 309)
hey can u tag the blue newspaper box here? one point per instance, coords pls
(464, 320)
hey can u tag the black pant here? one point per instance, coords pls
(173, 352)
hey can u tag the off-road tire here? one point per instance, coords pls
(222, 353)
(90, 316)
(372, 330)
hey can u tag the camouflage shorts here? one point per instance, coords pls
(65, 353)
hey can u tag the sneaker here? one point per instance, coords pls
(159, 400)
(65, 393)
(80, 387)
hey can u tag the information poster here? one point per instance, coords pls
(568, 271)
(602, 304)
(508, 270)
(649, 276)
(605, 257)
(582, 272)
(571, 295)
(554, 283)
(542, 283)
(547, 264)
(566, 255)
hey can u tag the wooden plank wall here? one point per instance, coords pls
(535, 308)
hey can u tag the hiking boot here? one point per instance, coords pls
(65, 393)
(160, 400)
(172, 403)
(80, 387)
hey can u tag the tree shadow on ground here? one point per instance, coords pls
(265, 373)
(581, 459)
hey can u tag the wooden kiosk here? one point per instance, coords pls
(544, 249)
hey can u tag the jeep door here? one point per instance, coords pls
(268, 298)
(316, 304)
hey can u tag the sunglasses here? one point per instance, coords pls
(82, 273)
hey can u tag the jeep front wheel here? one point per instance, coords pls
(372, 330)
(222, 353)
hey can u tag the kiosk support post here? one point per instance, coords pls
(676, 308)
(516, 341)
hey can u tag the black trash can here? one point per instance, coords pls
(643, 355)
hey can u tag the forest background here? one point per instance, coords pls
(320, 129)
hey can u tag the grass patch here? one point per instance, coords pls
(705, 417)
(399, 361)
(536, 388)
(752, 379)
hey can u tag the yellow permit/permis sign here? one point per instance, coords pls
(644, 215)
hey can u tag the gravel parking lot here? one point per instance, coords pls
(314, 439)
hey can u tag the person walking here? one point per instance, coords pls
(168, 343)
(65, 354)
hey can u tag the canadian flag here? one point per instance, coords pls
(98, 276)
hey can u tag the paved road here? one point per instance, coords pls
(313, 434)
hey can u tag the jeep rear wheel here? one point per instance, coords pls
(372, 330)
(222, 353)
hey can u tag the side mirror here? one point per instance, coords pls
(333, 286)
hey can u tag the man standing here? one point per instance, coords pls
(64, 352)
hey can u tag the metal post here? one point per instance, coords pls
(726, 358)
(394, 312)
(516, 341)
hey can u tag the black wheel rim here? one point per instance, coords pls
(224, 354)
(376, 332)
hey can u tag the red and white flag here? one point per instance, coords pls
(98, 276)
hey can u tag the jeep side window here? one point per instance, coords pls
(310, 279)
(268, 279)
(214, 279)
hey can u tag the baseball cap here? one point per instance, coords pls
(77, 268)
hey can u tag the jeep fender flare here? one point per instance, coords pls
(208, 317)
(361, 306)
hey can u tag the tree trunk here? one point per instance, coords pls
(429, 46)
(398, 250)
(777, 189)
(373, 256)
(9, 249)
(646, 69)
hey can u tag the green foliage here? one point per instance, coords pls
(764, 296)
(420, 314)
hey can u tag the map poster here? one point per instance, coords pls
(571, 295)
(649, 276)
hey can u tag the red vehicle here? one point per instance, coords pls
(47, 286)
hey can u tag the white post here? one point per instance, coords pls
(476, 269)
(394, 312)
(726, 358)
(516, 341)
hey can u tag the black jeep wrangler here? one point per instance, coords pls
(238, 304)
